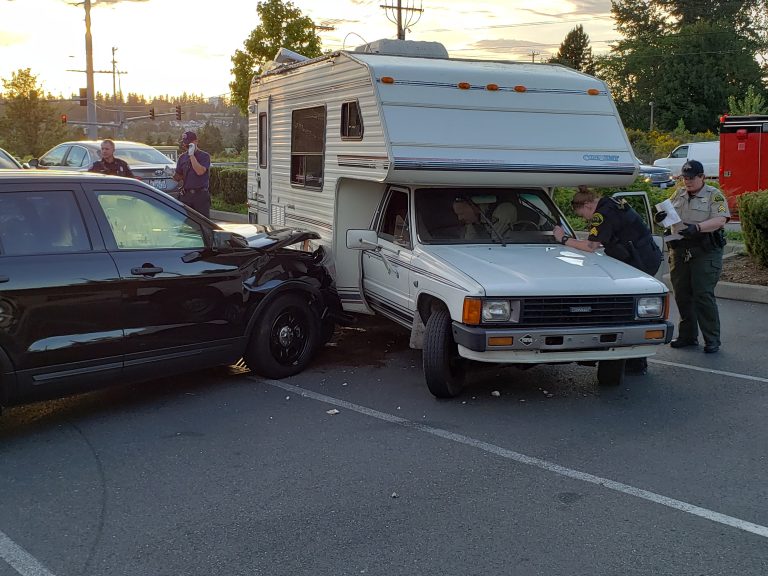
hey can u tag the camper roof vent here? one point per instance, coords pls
(285, 56)
(414, 48)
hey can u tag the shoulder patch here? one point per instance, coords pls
(593, 231)
(597, 219)
(718, 197)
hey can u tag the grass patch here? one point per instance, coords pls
(735, 236)
(219, 204)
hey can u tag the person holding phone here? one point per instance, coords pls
(193, 170)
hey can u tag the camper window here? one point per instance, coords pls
(308, 146)
(351, 122)
(263, 140)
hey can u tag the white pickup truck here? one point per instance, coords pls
(430, 183)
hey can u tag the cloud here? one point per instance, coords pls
(101, 2)
(10, 38)
(580, 8)
(511, 46)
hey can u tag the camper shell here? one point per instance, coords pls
(743, 157)
(374, 151)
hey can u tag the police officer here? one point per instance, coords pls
(109, 164)
(615, 226)
(696, 259)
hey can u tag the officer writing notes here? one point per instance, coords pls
(696, 259)
(615, 226)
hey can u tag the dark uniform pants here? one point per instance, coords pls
(198, 199)
(693, 282)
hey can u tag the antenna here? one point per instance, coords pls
(395, 15)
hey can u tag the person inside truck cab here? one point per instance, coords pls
(616, 227)
(470, 221)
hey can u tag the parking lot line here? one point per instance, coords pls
(529, 460)
(709, 370)
(19, 559)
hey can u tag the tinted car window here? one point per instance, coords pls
(55, 157)
(77, 157)
(41, 223)
(142, 156)
(138, 222)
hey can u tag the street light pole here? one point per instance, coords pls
(93, 129)
(651, 105)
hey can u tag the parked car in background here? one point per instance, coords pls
(146, 162)
(708, 153)
(656, 175)
(105, 279)
(8, 161)
(171, 151)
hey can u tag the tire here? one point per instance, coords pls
(285, 339)
(443, 368)
(610, 372)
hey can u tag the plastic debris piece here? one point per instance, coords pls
(332, 411)
(496, 393)
(394, 494)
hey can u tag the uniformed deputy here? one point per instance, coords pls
(615, 226)
(109, 164)
(696, 259)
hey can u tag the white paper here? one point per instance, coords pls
(672, 216)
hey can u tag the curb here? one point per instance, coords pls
(222, 216)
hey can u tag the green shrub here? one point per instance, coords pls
(753, 212)
(215, 181)
(234, 185)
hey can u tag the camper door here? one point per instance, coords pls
(264, 164)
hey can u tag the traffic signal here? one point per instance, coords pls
(63, 118)
(83, 96)
(151, 113)
(178, 111)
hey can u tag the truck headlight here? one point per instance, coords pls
(496, 311)
(650, 307)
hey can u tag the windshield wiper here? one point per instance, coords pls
(532, 206)
(487, 222)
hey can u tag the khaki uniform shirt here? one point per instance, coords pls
(709, 202)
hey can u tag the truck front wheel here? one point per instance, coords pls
(443, 367)
(610, 372)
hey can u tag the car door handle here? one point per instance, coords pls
(146, 271)
(4, 279)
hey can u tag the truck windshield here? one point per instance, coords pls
(485, 216)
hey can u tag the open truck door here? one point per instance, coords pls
(641, 204)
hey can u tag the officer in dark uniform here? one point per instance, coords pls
(696, 257)
(617, 228)
(109, 164)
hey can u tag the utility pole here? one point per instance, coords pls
(403, 17)
(93, 129)
(651, 105)
(533, 55)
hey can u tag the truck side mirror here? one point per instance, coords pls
(362, 240)
(33, 163)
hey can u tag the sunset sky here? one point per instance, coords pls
(174, 46)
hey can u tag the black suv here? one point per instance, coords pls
(105, 279)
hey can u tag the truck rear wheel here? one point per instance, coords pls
(443, 367)
(610, 372)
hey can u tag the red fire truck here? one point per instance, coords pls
(743, 156)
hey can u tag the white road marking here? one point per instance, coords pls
(19, 559)
(709, 370)
(530, 460)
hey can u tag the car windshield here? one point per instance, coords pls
(485, 216)
(141, 155)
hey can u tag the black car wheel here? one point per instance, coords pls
(610, 372)
(443, 367)
(285, 339)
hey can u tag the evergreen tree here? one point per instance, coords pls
(752, 103)
(575, 52)
(282, 26)
(211, 139)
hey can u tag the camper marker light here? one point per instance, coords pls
(520, 88)
(470, 314)
(492, 87)
(464, 85)
(723, 118)
(387, 80)
(593, 92)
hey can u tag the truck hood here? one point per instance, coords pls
(544, 270)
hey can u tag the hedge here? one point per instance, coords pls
(230, 184)
(753, 212)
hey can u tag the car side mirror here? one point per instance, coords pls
(223, 240)
(362, 240)
(34, 163)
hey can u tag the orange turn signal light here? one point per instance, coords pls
(470, 314)
(654, 334)
(500, 341)
(666, 306)
(387, 80)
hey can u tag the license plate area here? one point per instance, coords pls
(158, 183)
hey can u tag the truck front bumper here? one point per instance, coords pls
(560, 344)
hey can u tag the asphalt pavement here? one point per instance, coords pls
(352, 467)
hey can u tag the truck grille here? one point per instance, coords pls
(578, 310)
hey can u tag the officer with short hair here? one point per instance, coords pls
(616, 227)
(109, 164)
(696, 259)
